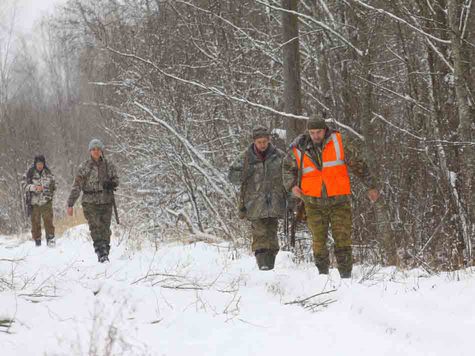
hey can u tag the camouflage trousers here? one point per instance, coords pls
(264, 234)
(99, 217)
(334, 212)
(44, 212)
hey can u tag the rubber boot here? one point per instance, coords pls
(322, 262)
(50, 241)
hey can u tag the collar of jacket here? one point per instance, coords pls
(258, 156)
(44, 170)
(303, 142)
(101, 159)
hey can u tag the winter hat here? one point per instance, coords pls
(259, 132)
(316, 122)
(40, 158)
(96, 143)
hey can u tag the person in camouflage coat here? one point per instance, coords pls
(324, 209)
(263, 197)
(39, 186)
(97, 179)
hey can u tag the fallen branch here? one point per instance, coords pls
(311, 305)
(183, 287)
(312, 296)
(9, 260)
(37, 295)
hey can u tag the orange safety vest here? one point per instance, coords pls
(334, 173)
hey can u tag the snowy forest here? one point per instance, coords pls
(170, 93)
(174, 89)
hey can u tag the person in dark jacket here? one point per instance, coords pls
(97, 179)
(39, 186)
(263, 198)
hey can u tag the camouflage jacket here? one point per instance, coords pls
(33, 178)
(353, 159)
(264, 194)
(90, 178)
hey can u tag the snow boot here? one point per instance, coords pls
(322, 262)
(265, 259)
(50, 241)
(103, 258)
(345, 274)
(322, 270)
(38, 242)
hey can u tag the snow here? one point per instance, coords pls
(209, 299)
(453, 178)
(280, 133)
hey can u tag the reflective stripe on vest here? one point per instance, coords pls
(338, 161)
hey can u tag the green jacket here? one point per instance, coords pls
(90, 178)
(264, 194)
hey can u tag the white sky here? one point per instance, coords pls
(28, 12)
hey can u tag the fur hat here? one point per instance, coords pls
(40, 158)
(96, 143)
(259, 132)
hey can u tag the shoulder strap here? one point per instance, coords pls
(29, 175)
(245, 168)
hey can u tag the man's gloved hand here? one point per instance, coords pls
(109, 185)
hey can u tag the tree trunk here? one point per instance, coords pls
(465, 118)
(292, 91)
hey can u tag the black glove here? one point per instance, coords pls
(109, 185)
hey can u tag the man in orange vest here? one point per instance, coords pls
(316, 171)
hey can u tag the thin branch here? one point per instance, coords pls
(434, 233)
(211, 89)
(319, 23)
(384, 12)
(186, 143)
(299, 301)
(425, 140)
(219, 92)
(12, 261)
(467, 17)
(404, 97)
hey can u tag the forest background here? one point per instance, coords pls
(175, 87)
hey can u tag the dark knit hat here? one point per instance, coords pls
(316, 122)
(40, 158)
(259, 132)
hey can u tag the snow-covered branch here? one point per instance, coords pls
(315, 21)
(398, 19)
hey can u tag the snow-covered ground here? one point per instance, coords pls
(202, 299)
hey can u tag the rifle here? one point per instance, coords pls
(114, 205)
(298, 209)
(28, 206)
(245, 177)
(29, 180)
(286, 219)
(116, 213)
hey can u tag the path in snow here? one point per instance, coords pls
(202, 299)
